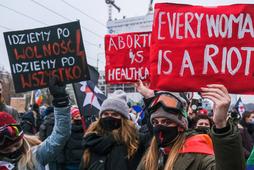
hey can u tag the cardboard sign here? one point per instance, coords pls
(127, 57)
(193, 46)
(37, 54)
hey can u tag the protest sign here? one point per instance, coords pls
(37, 54)
(127, 57)
(192, 46)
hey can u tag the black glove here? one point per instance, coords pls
(57, 90)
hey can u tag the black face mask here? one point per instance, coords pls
(110, 123)
(14, 156)
(77, 122)
(203, 129)
(250, 127)
(165, 135)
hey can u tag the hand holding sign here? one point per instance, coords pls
(219, 95)
(144, 90)
(57, 90)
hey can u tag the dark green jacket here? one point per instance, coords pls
(227, 149)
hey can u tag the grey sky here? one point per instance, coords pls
(40, 17)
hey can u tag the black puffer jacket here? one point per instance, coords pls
(73, 149)
(116, 153)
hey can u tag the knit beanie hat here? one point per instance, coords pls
(180, 117)
(7, 119)
(74, 112)
(116, 102)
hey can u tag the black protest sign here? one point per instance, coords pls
(37, 54)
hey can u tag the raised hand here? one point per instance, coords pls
(143, 90)
(219, 95)
(57, 90)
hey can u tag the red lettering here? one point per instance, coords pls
(56, 48)
(78, 40)
(18, 56)
(36, 53)
(46, 50)
(25, 83)
(29, 52)
(63, 47)
(36, 80)
(76, 72)
(67, 74)
(69, 47)
(42, 75)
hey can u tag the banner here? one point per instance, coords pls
(37, 54)
(193, 46)
(89, 99)
(127, 57)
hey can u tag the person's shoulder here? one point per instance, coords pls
(9, 108)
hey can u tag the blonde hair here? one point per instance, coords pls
(126, 134)
(151, 158)
(26, 158)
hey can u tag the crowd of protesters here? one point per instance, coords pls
(173, 134)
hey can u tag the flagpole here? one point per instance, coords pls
(32, 97)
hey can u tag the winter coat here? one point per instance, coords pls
(115, 153)
(227, 149)
(73, 151)
(45, 153)
(46, 127)
(9, 109)
(246, 141)
(30, 124)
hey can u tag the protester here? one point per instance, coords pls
(246, 128)
(72, 153)
(248, 122)
(202, 123)
(173, 148)
(113, 141)
(31, 120)
(6, 108)
(42, 110)
(48, 122)
(194, 106)
(22, 152)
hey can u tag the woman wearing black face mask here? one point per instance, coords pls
(202, 124)
(69, 159)
(175, 148)
(113, 142)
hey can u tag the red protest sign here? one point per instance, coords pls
(127, 57)
(193, 46)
